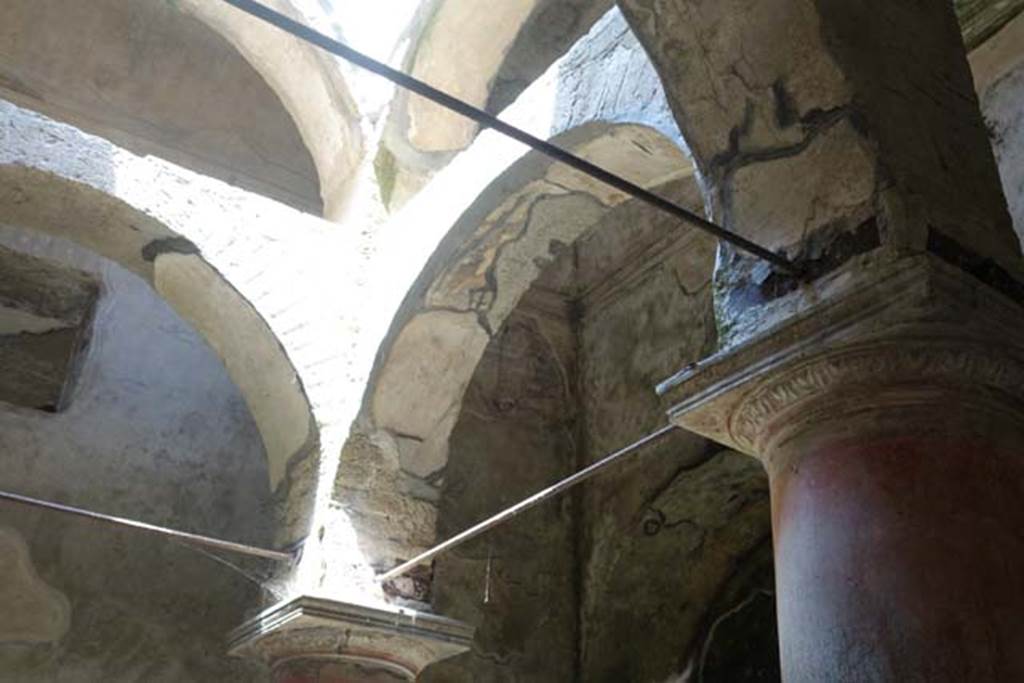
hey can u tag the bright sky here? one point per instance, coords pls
(374, 27)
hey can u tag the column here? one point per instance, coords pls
(890, 419)
(316, 640)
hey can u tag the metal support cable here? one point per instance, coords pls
(182, 536)
(243, 549)
(307, 34)
(517, 509)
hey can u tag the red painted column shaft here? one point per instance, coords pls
(900, 552)
(329, 670)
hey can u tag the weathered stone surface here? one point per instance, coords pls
(464, 67)
(606, 76)
(666, 531)
(514, 436)
(257, 304)
(472, 281)
(45, 311)
(997, 56)
(156, 431)
(550, 29)
(30, 610)
(891, 407)
(311, 87)
(739, 640)
(568, 375)
(500, 50)
(157, 81)
(812, 119)
(941, 330)
(530, 335)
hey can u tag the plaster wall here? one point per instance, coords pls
(675, 562)
(998, 68)
(607, 76)
(658, 568)
(637, 327)
(155, 431)
(269, 285)
(157, 81)
(667, 532)
(676, 576)
(453, 263)
(515, 435)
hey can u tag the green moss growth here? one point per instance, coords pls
(386, 169)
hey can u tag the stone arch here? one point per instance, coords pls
(193, 82)
(472, 281)
(485, 300)
(489, 258)
(311, 87)
(803, 141)
(484, 54)
(41, 201)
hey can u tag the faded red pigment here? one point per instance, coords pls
(901, 559)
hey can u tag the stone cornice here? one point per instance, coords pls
(898, 331)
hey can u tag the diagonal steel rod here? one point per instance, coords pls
(523, 506)
(183, 536)
(307, 34)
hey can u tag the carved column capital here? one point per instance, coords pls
(354, 642)
(915, 332)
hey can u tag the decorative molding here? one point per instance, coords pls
(900, 330)
(910, 362)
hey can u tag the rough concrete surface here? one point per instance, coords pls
(788, 88)
(473, 280)
(652, 566)
(214, 252)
